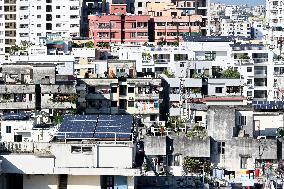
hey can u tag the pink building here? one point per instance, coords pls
(118, 27)
(172, 29)
(169, 24)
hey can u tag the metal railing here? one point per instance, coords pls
(65, 136)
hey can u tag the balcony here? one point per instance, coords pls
(240, 62)
(17, 105)
(147, 96)
(58, 105)
(161, 61)
(59, 89)
(260, 60)
(17, 89)
(147, 107)
(260, 73)
(91, 96)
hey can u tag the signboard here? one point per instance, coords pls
(247, 178)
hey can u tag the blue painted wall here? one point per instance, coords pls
(120, 182)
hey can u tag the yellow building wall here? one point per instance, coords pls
(83, 182)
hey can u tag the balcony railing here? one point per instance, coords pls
(161, 61)
(260, 60)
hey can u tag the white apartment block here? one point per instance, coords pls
(275, 21)
(37, 19)
(274, 13)
(238, 28)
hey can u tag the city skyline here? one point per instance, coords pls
(241, 2)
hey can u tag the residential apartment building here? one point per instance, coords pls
(30, 84)
(2, 31)
(120, 92)
(141, 6)
(45, 19)
(240, 28)
(169, 24)
(118, 27)
(274, 22)
(274, 13)
(10, 24)
(73, 164)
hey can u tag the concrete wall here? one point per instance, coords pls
(114, 156)
(83, 182)
(237, 147)
(221, 122)
(40, 182)
(268, 123)
(22, 164)
(193, 147)
(155, 145)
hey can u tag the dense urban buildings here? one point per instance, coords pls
(117, 94)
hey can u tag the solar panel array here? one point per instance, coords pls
(100, 127)
(268, 105)
(114, 126)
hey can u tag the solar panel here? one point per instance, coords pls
(103, 127)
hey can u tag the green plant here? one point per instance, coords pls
(197, 131)
(58, 119)
(230, 73)
(196, 90)
(89, 44)
(168, 73)
(196, 165)
(72, 99)
(196, 75)
(146, 56)
(244, 56)
(6, 96)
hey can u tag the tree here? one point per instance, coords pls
(89, 44)
(230, 74)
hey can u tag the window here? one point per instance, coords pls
(130, 89)
(249, 69)
(249, 81)
(181, 65)
(57, 16)
(139, 12)
(244, 162)
(38, 25)
(177, 160)
(38, 7)
(113, 89)
(38, 16)
(8, 129)
(152, 117)
(107, 182)
(249, 93)
(130, 103)
(57, 7)
(139, 4)
(221, 147)
(218, 90)
(113, 103)
(242, 120)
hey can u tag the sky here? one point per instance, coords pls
(241, 2)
